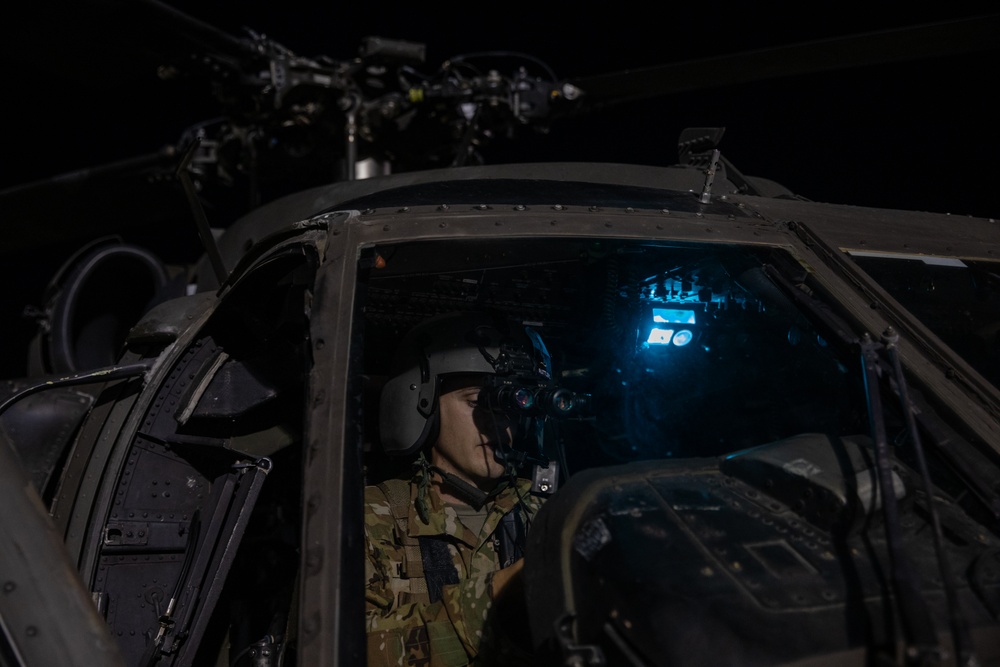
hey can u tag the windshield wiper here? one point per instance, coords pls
(915, 616)
(959, 629)
(918, 628)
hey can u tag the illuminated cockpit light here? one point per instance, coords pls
(673, 316)
(660, 336)
(683, 337)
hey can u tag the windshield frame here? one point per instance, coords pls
(333, 475)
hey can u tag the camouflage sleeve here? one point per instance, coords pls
(402, 632)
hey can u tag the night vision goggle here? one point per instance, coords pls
(525, 397)
(522, 384)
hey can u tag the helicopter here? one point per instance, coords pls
(205, 481)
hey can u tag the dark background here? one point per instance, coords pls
(922, 135)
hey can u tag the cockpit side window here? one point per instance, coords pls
(959, 300)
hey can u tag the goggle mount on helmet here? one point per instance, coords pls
(521, 387)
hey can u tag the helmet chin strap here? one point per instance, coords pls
(510, 457)
(468, 493)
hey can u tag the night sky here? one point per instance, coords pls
(919, 136)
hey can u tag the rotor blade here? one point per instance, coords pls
(81, 205)
(197, 32)
(106, 43)
(875, 48)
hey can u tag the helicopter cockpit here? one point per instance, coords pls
(725, 396)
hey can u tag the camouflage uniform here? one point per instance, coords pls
(404, 627)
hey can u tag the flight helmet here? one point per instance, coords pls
(446, 345)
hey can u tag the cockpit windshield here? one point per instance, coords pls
(686, 350)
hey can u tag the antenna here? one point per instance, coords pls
(198, 211)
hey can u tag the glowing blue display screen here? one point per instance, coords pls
(673, 316)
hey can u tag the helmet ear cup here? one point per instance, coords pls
(404, 424)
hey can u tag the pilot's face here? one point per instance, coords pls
(468, 433)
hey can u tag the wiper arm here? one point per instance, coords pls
(918, 627)
(959, 629)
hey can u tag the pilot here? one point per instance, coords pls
(444, 547)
